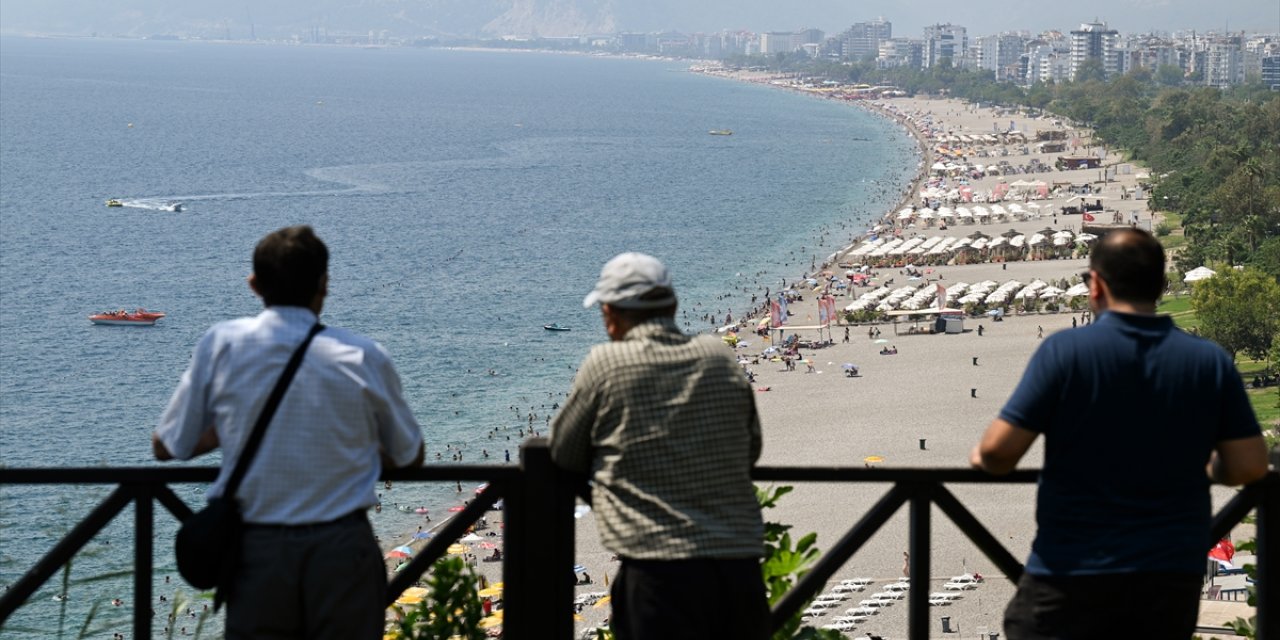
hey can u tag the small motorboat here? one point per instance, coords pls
(720, 132)
(554, 327)
(122, 318)
(113, 202)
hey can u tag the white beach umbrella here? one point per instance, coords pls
(1199, 273)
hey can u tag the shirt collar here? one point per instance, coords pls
(1137, 323)
(290, 314)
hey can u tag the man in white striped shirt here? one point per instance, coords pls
(310, 567)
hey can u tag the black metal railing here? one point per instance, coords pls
(539, 532)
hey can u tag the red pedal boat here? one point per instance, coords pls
(136, 318)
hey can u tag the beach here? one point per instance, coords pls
(925, 405)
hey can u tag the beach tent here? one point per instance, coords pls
(1199, 273)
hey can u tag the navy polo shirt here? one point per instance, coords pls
(1131, 408)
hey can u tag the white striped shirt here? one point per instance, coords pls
(319, 459)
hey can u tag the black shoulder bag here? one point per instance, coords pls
(208, 542)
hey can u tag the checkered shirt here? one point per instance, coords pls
(666, 426)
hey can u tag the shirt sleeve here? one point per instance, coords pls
(1236, 418)
(571, 429)
(1035, 400)
(398, 431)
(188, 415)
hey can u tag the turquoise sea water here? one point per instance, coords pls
(468, 198)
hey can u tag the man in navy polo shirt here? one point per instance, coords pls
(1138, 419)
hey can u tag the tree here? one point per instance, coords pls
(1169, 75)
(1239, 310)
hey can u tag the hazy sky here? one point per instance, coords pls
(979, 16)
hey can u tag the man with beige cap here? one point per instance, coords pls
(665, 425)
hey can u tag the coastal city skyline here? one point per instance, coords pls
(406, 19)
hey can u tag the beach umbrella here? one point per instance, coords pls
(871, 459)
(602, 602)
(881, 341)
(1199, 273)
(490, 592)
(489, 622)
(849, 366)
(412, 595)
(457, 549)
(396, 554)
(405, 549)
(471, 537)
(577, 568)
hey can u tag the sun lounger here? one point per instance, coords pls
(863, 611)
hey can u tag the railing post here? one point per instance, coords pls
(538, 565)
(1267, 569)
(143, 525)
(918, 544)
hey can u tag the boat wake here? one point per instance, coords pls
(154, 204)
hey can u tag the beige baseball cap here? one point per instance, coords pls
(633, 281)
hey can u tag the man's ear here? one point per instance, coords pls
(253, 284)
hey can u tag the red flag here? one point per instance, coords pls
(1088, 218)
(1223, 551)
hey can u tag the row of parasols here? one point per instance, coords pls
(945, 245)
(911, 298)
(973, 214)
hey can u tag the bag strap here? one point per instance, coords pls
(273, 402)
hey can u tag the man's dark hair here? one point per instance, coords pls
(1131, 261)
(289, 265)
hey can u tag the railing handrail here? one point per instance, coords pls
(539, 498)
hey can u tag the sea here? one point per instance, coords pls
(468, 198)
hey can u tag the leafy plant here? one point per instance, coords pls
(784, 564)
(452, 608)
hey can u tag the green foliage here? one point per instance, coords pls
(1239, 309)
(451, 610)
(784, 564)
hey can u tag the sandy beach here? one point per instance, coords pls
(932, 389)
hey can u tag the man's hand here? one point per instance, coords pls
(388, 463)
(208, 442)
(1001, 447)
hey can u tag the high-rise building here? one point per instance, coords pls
(944, 41)
(1223, 63)
(1000, 53)
(863, 38)
(900, 52)
(1271, 71)
(1094, 41)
